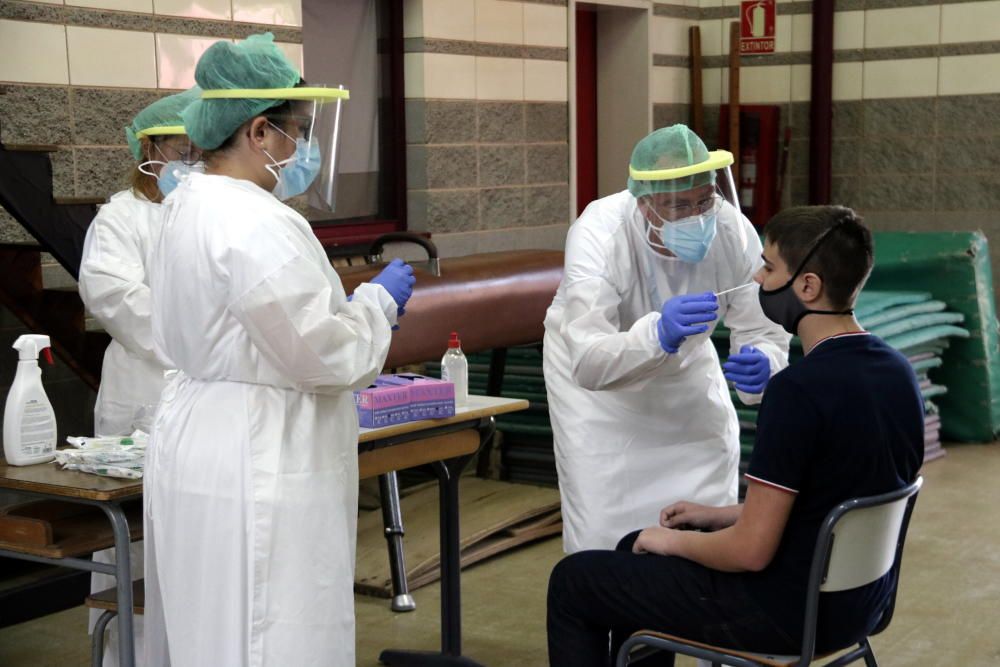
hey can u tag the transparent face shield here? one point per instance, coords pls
(313, 127)
(684, 223)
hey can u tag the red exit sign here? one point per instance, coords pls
(757, 19)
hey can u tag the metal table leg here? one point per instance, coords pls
(97, 639)
(392, 520)
(448, 473)
(123, 581)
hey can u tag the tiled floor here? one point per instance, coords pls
(947, 612)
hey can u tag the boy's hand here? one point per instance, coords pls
(689, 515)
(654, 540)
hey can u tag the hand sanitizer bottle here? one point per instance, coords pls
(29, 424)
(455, 369)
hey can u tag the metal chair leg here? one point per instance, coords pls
(97, 639)
(870, 660)
(392, 520)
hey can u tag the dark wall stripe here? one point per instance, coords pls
(103, 18)
(840, 56)
(460, 47)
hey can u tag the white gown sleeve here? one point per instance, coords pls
(112, 275)
(307, 329)
(746, 321)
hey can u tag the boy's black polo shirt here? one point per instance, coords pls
(845, 421)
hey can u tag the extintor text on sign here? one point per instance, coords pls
(757, 27)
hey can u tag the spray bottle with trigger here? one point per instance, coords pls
(29, 424)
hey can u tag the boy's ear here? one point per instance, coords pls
(809, 287)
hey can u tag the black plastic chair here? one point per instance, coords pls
(860, 541)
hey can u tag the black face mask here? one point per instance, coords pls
(781, 306)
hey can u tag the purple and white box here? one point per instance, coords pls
(430, 398)
(382, 405)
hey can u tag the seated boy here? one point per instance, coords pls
(845, 421)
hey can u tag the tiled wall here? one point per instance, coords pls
(73, 75)
(916, 92)
(487, 123)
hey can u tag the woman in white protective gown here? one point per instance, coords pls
(251, 487)
(114, 286)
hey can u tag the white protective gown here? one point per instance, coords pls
(114, 285)
(252, 473)
(636, 428)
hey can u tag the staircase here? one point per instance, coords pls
(38, 283)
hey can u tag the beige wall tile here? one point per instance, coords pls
(50, 2)
(198, 9)
(902, 26)
(500, 78)
(671, 85)
(711, 37)
(499, 21)
(848, 81)
(917, 77)
(970, 22)
(770, 84)
(272, 12)
(449, 77)
(848, 30)
(294, 53)
(711, 86)
(33, 52)
(783, 33)
(143, 6)
(802, 32)
(670, 36)
(801, 80)
(176, 57)
(546, 81)
(449, 19)
(970, 75)
(545, 25)
(99, 57)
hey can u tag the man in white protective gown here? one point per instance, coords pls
(252, 471)
(641, 412)
(114, 286)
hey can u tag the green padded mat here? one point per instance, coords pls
(955, 268)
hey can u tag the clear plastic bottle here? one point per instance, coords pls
(455, 369)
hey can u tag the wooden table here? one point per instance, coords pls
(447, 446)
(49, 482)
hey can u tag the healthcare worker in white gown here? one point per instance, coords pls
(114, 286)
(251, 477)
(641, 412)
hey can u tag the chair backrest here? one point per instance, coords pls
(864, 539)
(859, 541)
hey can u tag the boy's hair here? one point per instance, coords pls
(843, 258)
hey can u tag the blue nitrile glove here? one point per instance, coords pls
(397, 278)
(749, 370)
(683, 316)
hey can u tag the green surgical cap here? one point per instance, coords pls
(164, 112)
(669, 148)
(254, 63)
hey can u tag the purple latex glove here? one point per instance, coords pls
(683, 316)
(749, 370)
